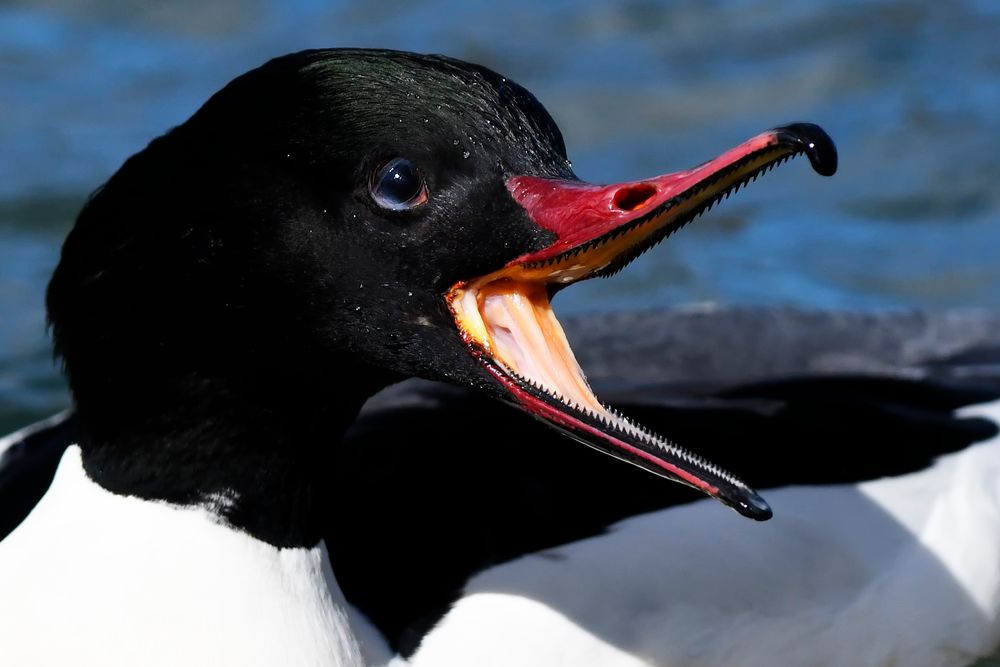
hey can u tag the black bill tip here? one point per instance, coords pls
(816, 144)
(749, 503)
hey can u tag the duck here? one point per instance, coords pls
(339, 220)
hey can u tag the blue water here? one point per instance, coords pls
(909, 90)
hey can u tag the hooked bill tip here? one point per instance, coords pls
(751, 505)
(815, 143)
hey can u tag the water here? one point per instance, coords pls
(909, 90)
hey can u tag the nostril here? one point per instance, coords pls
(631, 197)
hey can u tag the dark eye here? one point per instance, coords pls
(398, 185)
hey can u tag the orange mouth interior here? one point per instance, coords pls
(514, 323)
(508, 317)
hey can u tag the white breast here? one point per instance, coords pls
(901, 571)
(92, 578)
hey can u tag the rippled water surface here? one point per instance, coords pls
(909, 90)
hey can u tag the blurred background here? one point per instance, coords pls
(910, 91)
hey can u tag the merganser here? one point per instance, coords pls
(335, 221)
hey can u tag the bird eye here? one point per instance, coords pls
(398, 185)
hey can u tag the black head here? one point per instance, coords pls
(238, 282)
(249, 235)
(324, 225)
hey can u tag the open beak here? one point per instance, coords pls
(506, 318)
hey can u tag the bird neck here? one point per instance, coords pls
(257, 451)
